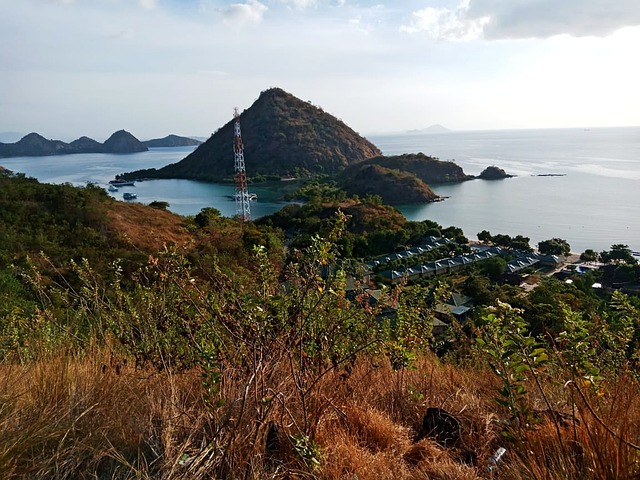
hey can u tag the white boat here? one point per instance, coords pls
(251, 196)
(122, 183)
(113, 188)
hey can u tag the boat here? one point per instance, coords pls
(129, 196)
(113, 188)
(122, 183)
(251, 196)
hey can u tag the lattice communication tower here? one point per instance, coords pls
(243, 210)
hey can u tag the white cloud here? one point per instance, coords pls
(300, 4)
(546, 18)
(251, 12)
(446, 24)
(148, 4)
(498, 19)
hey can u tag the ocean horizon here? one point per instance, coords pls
(593, 202)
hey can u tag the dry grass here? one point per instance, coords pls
(146, 228)
(89, 417)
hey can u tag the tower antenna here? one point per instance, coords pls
(243, 210)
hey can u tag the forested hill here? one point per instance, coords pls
(282, 136)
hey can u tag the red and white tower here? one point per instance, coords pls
(243, 210)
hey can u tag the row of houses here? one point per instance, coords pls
(521, 261)
(428, 244)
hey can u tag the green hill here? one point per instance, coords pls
(395, 187)
(282, 136)
(426, 168)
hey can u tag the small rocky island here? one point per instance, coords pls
(494, 173)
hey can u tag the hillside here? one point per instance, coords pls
(395, 187)
(282, 136)
(35, 145)
(426, 168)
(171, 141)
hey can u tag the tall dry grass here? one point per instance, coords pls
(67, 416)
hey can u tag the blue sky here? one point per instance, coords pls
(154, 67)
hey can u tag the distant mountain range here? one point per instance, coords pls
(35, 145)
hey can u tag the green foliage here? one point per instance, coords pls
(554, 246)
(412, 325)
(494, 267)
(207, 216)
(317, 192)
(514, 355)
(518, 242)
(576, 348)
(589, 255)
(160, 205)
(619, 253)
(306, 449)
(484, 236)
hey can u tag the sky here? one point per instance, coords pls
(153, 67)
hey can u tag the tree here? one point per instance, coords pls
(159, 205)
(494, 267)
(520, 242)
(589, 255)
(501, 240)
(484, 236)
(206, 215)
(554, 246)
(618, 253)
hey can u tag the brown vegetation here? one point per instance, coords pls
(145, 228)
(65, 416)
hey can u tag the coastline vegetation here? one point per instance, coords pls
(138, 344)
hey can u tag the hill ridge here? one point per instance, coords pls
(35, 145)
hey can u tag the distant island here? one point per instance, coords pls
(35, 145)
(494, 173)
(431, 129)
(172, 141)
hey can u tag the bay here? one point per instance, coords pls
(594, 204)
(185, 197)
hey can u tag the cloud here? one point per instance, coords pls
(244, 13)
(500, 19)
(301, 4)
(446, 24)
(147, 4)
(545, 18)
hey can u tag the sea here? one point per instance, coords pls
(582, 185)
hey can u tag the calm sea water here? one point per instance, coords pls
(594, 205)
(185, 197)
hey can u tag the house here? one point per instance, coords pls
(457, 305)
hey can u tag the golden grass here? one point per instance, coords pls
(68, 416)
